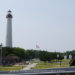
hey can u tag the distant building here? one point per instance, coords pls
(65, 57)
(70, 56)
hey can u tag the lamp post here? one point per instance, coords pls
(59, 60)
(1, 54)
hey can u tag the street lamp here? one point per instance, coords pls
(1, 54)
(58, 57)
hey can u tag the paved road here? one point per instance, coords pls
(40, 71)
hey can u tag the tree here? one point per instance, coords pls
(45, 56)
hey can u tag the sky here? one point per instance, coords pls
(48, 23)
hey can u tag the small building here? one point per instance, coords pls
(65, 57)
(70, 56)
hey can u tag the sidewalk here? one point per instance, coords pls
(30, 66)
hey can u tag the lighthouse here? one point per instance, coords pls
(9, 29)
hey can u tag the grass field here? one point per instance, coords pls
(40, 65)
(53, 64)
(8, 68)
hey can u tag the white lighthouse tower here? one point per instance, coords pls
(9, 30)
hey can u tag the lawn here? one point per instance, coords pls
(8, 68)
(53, 64)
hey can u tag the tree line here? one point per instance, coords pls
(31, 54)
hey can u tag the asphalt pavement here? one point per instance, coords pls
(39, 71)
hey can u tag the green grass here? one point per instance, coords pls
(53, 64)
(8, 68)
